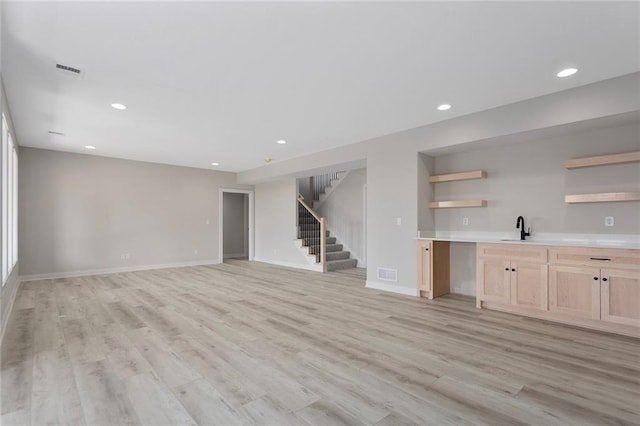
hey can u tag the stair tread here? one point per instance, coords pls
(338, 255)
(341, 260)
(334, 265)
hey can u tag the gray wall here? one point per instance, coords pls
(276, 223)
(462, 258)
(528, 179)
(344, 210)
(394, 168)
(83, 213)
(304, 189)
(235, 233)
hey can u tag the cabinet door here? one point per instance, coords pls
(575, 291)
(529, 285)
(620, 296)
(493, 280)
(424, 255)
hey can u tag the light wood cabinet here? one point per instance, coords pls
(574, 291)
(512, 275)
(620, 296)
(529, 285)
(597, 288)
(494, 280)
(602, 284)
(433, 268)
(423, 253)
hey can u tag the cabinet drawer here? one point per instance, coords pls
(513, 251)
(600, 258)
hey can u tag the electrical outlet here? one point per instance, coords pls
(608, 221)
(465, 221)
(122, 256)
(127, 255)
(195, 251)
(457, 290)
(206, 222)
(398, 221)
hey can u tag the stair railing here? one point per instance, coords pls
(318, 185)
(312, 222)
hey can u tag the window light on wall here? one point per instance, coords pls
(9, 179)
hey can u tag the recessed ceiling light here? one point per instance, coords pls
(567, 72)
(444, 107)
(215, 164)
(281, 142)
(119, 106)
(90, 147)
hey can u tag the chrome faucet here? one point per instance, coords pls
(520, 225)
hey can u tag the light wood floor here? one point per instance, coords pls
(248, 343)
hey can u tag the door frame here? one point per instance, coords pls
(364, 225)
(221, 192)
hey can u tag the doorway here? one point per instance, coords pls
(236, 224)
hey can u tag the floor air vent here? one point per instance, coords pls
(386, 274)
(68, 68)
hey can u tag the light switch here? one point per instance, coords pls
(398, 221)
(608, 221)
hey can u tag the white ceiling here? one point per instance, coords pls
(223, 82)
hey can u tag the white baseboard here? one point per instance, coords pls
(314, 267)
(392, 288)
(71, 274)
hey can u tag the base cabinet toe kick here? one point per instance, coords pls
(588, 287)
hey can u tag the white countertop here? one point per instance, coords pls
(628, 241)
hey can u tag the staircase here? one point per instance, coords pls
(309, 236)
(321, 186)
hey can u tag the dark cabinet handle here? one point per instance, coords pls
(506, 269)
(513, 270)
(427, 249)
(595, 278)
(599, 258)
(604, 279)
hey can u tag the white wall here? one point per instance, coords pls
(528, 179)
(393, 167)
(235, 234)
(276, 223)
(80, 213)
(10, 287)
(344, 210)
(462, 263)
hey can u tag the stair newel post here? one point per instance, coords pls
(323, 244)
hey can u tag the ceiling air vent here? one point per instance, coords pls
(68, 68)
(386, 274)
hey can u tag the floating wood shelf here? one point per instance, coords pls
(602, 197)
(603, 160)
(476, 174)
(452, 204)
